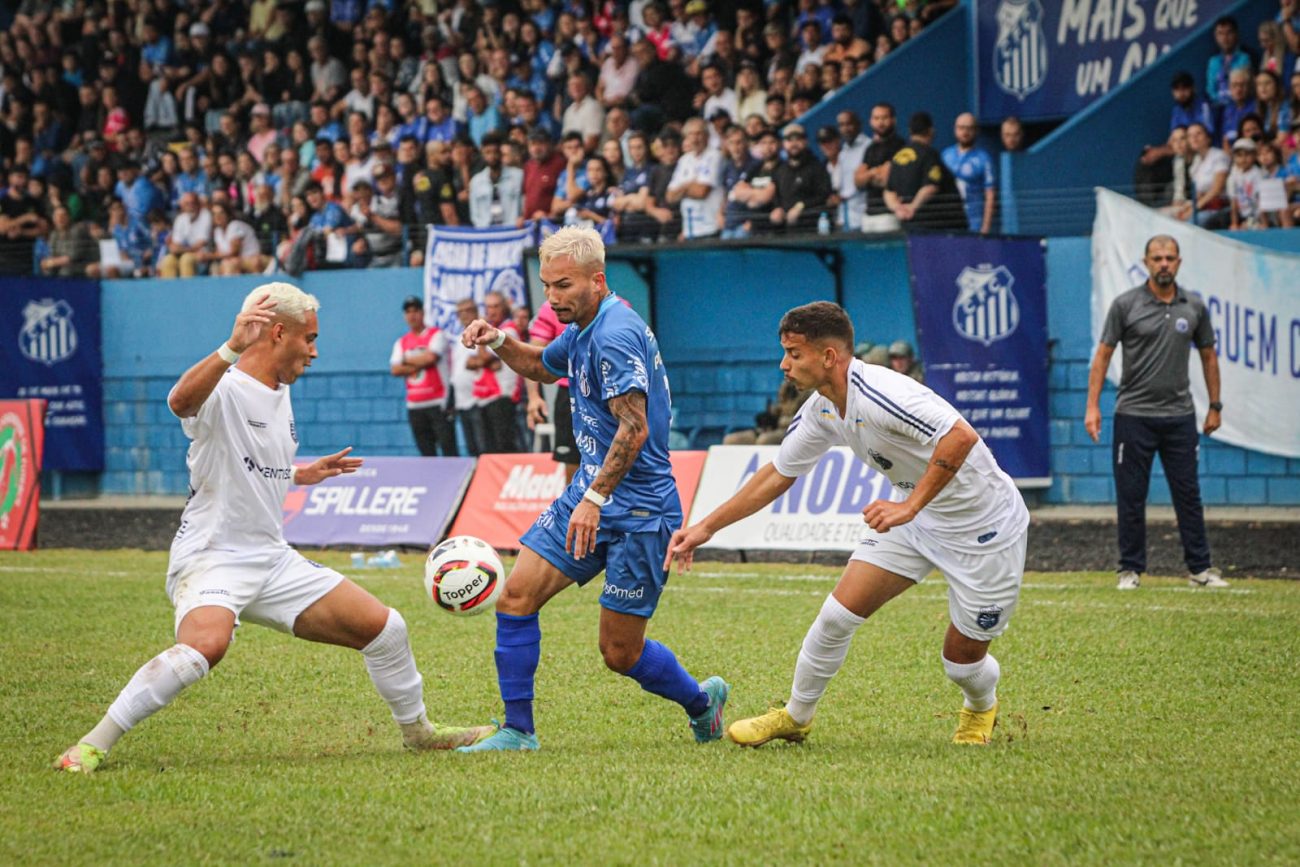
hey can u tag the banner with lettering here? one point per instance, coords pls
(22, 440)
(389, 501)
(822, 511)
(509, 492)
(50, 350)
(1254, 305)
(981, 322)
(1048, 59)
(464, 262)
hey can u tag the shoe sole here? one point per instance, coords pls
(794, 739)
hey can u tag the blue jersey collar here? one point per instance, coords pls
(609, 301)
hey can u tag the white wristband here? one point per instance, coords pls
(501, 338)
(596, 497)
(228, 355)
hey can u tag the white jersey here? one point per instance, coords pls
(700, 216)
(241, 465)
(892, 424)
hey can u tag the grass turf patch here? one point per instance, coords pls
(1151, 726)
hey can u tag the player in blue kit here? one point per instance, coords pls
(621, 508)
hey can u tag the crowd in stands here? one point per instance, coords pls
(1232, 160)
(176, 138)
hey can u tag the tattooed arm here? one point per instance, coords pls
(949, 454)
(629, 409)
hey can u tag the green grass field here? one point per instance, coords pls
(1158, 726)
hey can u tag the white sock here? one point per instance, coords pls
(978, 681)
(150, 689)
(392, 669)
(823, 652)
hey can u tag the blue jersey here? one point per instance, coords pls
(974, 173)
(615, 354)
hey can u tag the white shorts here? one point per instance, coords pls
(269, 588)
(982, 588)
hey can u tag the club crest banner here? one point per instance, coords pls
(981, 322)
(462, 262)
(1252, 298)
(1048, 59)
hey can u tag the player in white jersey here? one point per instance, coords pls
(229, 558)
(954, 510)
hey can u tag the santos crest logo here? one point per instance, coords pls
(283, 473)
(47, 335)
(1020, 55)
(986, 310)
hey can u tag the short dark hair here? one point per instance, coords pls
(1161, 239)
(492, 138)
(920, 123)
(820, 320)
(887, 106)
(1226, 21)
(1183, 78)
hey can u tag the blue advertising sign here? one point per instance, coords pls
(981, 318)
(50, 349)
(1048, 59)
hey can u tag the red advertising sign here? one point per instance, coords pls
(22, 444)
(508, 492)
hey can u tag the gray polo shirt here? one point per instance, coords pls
(1157, 340)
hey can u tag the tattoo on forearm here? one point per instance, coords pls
(629, 409)
(946, 465)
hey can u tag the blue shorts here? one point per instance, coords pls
(633, 562)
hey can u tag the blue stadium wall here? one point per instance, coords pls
(715, 312)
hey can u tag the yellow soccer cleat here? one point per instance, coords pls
(776, 723)
(976, 726)
(80, 759)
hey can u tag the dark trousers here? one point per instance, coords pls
(434, 431)
(471, 423)
(1176, 439)
(499, 426)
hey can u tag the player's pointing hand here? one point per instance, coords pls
(250, 323)
(478, 333)
(327, 467)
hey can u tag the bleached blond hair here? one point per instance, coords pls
(579, 243)
(290, 301)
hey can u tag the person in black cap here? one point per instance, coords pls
(418, 356)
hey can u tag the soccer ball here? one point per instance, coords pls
(464, 575)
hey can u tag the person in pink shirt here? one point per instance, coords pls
(419, 356)
(545, 328)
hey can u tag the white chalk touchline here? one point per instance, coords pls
(1028, 585)
(69, 571)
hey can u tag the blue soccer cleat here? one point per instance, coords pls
(504, 740)
(708, 725)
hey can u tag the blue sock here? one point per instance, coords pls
(658, 671)
(519, 646)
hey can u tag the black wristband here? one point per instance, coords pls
(1216, 406)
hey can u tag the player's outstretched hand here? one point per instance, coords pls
(881, 515)
(478, 333)
(250, 323)
(681, 547)
(327, 468)
(583, 526)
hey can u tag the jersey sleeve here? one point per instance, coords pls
(1113, 330)
(202, 421)
(806, 440)
(438, 344)
(555, 357)
(624, 363)
(397, 356)
(1203, 336)
(910, 410)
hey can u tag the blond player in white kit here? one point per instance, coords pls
(229, 559)
(954, 510)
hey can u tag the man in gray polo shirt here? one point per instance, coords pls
(1157, 322)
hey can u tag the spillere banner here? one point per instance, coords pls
(1253, 298)
(822, 511)
(50, 350)
(388, 501)
(1049, 59)
(22, 446)
(509, 492)
(981, 322)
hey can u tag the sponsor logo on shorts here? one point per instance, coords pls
(257, 469)
(986, 537)
(214, 591)
(260, 425)
(988, 616)
(625, 593)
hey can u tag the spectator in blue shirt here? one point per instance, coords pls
(1190, 108)
(1241, 102)
(481, 115)
(437, 124)
(1221, 65)
(192, 178)
(139, 196)
(973, 168)
(157, 48)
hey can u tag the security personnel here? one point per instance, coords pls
(1155, 321)
(921, 191)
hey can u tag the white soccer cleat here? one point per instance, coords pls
(1209, 578)
(1128, 580)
